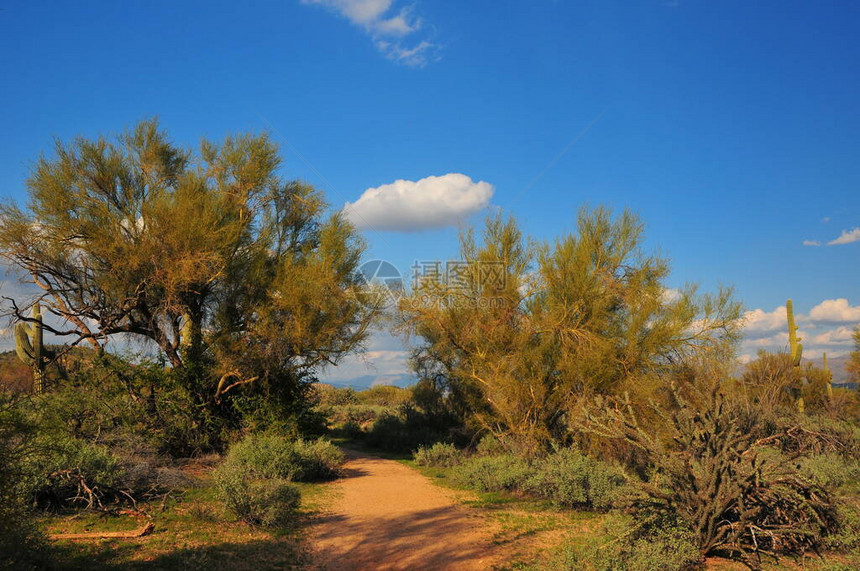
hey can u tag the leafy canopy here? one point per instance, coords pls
(210, 255)
(532, 327)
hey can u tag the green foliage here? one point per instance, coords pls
(405, 429)
(566, 477)
(123, 405)
(832, 471)
(440, 454)
(273, 456)
(266, 502)
(384, 395)
(252, 298)
(506, 472)
(573, 480)
(21, 544)
(332, 396)
(73, 472)
(712, 473)
(847, 539)
(531, 328)
(654, 545)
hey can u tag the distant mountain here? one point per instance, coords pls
(836, 366)
(367, 381)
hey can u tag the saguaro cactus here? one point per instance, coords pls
(796, 349)
(829, 377)
(794, 343)
(29, 347)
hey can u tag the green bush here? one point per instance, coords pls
(405, 430)
(833, 471)
(494, 473)
(22, 546)
(384, 395)
(328, 395)
(656, 545)
(440, 454)
(70, 471)
(273, 456)
(489, 445)
(847, 538)
(574, 480)
(264, 502)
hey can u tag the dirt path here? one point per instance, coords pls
(385, 516)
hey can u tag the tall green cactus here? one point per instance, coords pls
(29, 347)
(794, 343)
(829, 378)
(796, 349)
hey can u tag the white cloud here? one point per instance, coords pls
(825, 220)
(409, 206)
(847, 237)
(827, 328)
(758, 322)
(811, 243)
(386, 358)
(391, 32)
(835, 311)
(670, 295)
(840, 336)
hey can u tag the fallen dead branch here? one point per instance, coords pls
(145, 530)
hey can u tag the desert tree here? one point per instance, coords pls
(235, 274)
(853, 364)
(527, 329)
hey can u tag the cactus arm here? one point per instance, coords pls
(38, 347)
(794, 344)
(796, 349)
(23, 347)
(829, 377)
(30, 348)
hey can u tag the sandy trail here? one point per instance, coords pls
(385, 516)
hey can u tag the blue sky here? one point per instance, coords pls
(730, 127)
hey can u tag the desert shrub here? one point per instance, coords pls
(574, 480)
(71, 471)
(494, 473)
(489, 445)
(847, 538)
(112, 401)
(833, 471)
(405, 430)
(21, 544)
(274, 456)
(360, 414)
(267, 502)
(651, 545)
(440, 454)
(712, 473)
(328, 395)
(384, 395)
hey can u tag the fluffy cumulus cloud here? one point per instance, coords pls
(396, 33)
(835, 311)
(386, 361)
(413, 205)
(758, 323)
(847, 237)
(839, 336)
(828, 327)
